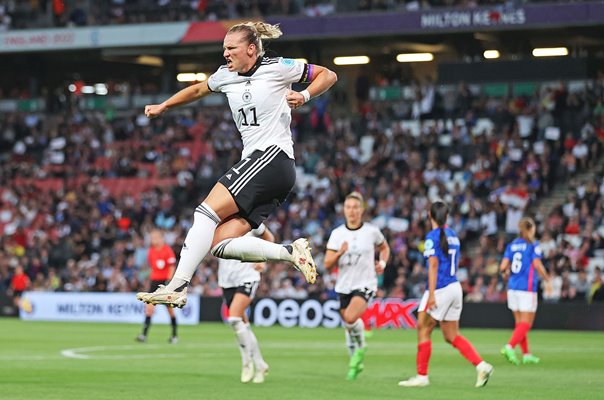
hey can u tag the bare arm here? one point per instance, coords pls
(332, 256)
(321, 80)
(432, 277)
(185, 96)
(505, 264)
(384, 256)
(504, 268)
(541, 269)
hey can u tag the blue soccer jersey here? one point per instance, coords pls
(447, 263)
(521, 255)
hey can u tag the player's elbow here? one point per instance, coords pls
(201, 89)
(332, 77)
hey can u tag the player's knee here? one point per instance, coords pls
(450, 338)
(235, 322)
(424, 332)
(349, 319)
(236, 312)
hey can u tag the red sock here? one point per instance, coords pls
(524, 345)
(519, 333)
(466, 349)
(424, 350)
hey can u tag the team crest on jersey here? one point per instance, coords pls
(247, 97)
(538, 250)
(287, 61)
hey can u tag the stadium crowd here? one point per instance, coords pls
(60, 13)
(81, 192)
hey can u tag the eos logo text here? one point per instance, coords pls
(289, 313)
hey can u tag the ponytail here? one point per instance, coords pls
(439, 212)
(256, 31)
(267, 31)
(444, 245)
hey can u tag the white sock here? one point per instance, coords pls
(357, 332)
(243, 338)
(349, 343)
(255, 349)
(481, 365)
(196, 245)
(251, 249)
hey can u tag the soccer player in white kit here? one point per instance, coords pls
(442, 302)
(239, 282)
(352, 248)
(258, 91)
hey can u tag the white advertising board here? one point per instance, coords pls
(99, 307)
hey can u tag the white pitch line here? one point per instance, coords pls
(71, 353)
(77, 353)
(28, 358)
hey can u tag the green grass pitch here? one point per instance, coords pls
(44, 360)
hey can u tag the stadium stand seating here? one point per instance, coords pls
(79, 197)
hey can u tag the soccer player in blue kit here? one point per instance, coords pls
(442, 302)
(522, 258)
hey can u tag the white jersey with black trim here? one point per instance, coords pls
(234, 273)
(357, 264)
(257, 101)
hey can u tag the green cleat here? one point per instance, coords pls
(530, 359)
(356, 364)
(510, 355)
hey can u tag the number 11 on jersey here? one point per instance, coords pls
(254, 120)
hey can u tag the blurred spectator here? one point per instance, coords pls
(552, 288)
(581, 286)
(19, 283)
(476, 294)
(5, 19)
(597, 288)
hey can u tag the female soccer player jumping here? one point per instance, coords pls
(522, 257)
(442, 302)
(258, 91)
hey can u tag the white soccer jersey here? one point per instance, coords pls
(234, 273)
(257, 101)
(357, 264)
